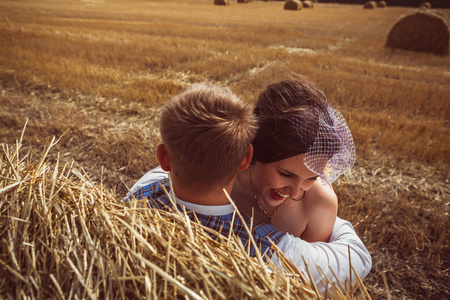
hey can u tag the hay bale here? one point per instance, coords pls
(422, 31)
(222, 2)
(242, 1)
(425, 5)
(307, 4)
(370, 5)
(293, 5)
(63, 235)
(381, 4)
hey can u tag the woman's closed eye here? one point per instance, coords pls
(285, 174)
(288, 175)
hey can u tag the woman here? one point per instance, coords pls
(301, 147)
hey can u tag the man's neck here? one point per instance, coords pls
(211, 197)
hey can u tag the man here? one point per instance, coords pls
(207, 133)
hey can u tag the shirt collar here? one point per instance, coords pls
(212, 210)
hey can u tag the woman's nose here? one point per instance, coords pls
(296, 189)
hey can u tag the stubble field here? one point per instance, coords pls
(95, 73)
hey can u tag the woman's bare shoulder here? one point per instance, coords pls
(321, 206)
(321, 194)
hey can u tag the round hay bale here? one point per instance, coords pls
(307, 4)
(381, 4)
(425, 5)
(422, 31)
(293, 5)
(370, 5)
(221, 2)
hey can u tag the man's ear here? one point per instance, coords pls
(163, 157)
(247, 159)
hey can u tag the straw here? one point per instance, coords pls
(63, 236)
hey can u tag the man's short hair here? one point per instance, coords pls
(207, 131)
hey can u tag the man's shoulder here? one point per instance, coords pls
(262, 234)
(152, 190)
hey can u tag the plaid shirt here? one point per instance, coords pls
(262, 233)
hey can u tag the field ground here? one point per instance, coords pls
(94, 74)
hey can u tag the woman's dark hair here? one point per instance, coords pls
(288, 113)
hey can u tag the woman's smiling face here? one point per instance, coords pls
(276, 181)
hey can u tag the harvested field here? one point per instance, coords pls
(95, 73)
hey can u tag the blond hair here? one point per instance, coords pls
(207, 131)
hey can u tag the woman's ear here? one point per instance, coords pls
(247, 159)
(163, 157)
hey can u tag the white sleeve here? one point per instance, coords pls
(333, 255)
(151, 176)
